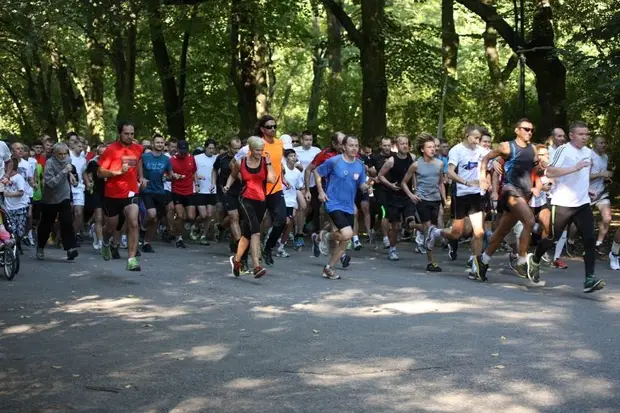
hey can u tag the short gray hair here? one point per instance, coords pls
(60, 147)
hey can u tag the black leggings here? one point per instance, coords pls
(561, 218)
(64, 213)
(277, 211)
(251, 215)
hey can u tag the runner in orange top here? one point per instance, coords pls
(276, 206)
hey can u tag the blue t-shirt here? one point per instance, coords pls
(344, 180)
(154, 168)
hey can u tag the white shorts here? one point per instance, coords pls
(78, 197)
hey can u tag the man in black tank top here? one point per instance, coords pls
(399, 207)
(520, 159)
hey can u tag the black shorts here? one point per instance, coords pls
(466, 205)
(289, 212)
(205, 199)
(231, 202)
(156, 201)
(399, 209)
(510, 191)
(342, 219)
(428, 211)
(113, 207)
(185, 200)
(361, 197)
(536, 210)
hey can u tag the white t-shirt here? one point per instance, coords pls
(571, 190)
(26, 171)
(296, 179)
(16, 183)
(541, 200)
(467, 162)
(167, 183)
(204, 167)
(599, 164)
(80, 166)
(304, 157)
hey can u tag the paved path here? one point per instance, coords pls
(184, 336)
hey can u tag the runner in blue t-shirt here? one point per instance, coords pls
(346, 174)
(157, 201)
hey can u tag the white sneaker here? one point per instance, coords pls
(386, 242)
(96, 243)
(282, 252)
(547, 257)
(393, 255)
(419, 237)
(614, 261)
(31, 238)
(124, 242)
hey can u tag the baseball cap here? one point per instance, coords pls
(183, 146)
(287, 141)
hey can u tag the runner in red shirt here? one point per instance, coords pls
(121, 165)
(183, 189)
(39, 156)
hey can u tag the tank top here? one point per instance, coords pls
(427, 179)
(518, 168)
(398, 172)
(254, 180)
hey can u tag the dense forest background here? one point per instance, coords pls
(207, 68)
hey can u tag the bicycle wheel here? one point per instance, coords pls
(9, 263)
(16, 263)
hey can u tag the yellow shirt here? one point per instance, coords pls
(276, 153)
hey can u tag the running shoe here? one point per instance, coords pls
(323, 242)
(329, 273)
(470, 262)
(72, 254)
(316, 251)
(91, 231)
(133, 264)
(96, 243)
(570, 249)
(480, 268)
(592, 284)
(244, 267)
(350, 245)
(259, 272)
(357, 245)
(40, 254)
(386, 242)
(204, 240)
(180, 243)
(452, 248)
(106, 252)
(420, 249)
(547, 257)
(614, 261)
(521, 270)
(513, 259)
(26, 241)
(599, 250)
(235, 266)
(559, 264)
(345, 260)
(282, 252)
(194, 233)
(432, 267)
(393, 255)
(115, 253)
(147, 248)
(267, 257)
(299, 243)
(124, 242)
(431, 237)
(533, 269)
(79, 239)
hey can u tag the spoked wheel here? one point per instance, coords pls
(11, 263)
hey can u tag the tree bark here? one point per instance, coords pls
(173, 107)
(449, 38)
(318, 67)
(72, 101)
(334, 55)
(95, 91)
(124, 46)
(242, 63)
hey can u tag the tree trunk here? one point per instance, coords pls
(450, 48)
(95, 91)
(124, 62)
(318, 67)
(374, 81)
(183, 62)
(71, 100)
(173, 107)
(242, 63)
(261, 65)
(334, 55)
(25, 127)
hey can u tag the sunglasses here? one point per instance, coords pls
(295, 141)
(526, 129)
(270, 127)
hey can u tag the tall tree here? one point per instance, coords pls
(370, 40)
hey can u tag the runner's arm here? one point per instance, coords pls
(234, 171)
(503, 150)
(442, 186)
(387, 166)
(407, 178)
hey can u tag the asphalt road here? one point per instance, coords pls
(185, 336)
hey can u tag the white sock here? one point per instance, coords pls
(521, 260)
(356, 238)
(180, 238)
(559, 246)
(486, 258)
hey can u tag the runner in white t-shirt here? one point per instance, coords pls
(599, 176)
(206, 198)
(305, 155)
(571, 199)
(78, 160)
(294, 181)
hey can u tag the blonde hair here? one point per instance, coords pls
(255, 143)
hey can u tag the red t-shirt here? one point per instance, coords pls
(183, 166)
(113, 159)
(90, 155)
(253, 181)
(324, 155)
(40, 158)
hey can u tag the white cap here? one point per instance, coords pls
(287, 141)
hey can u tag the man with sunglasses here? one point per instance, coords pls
(520, 157)
(276, 206)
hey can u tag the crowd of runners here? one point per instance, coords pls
(268, 194)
